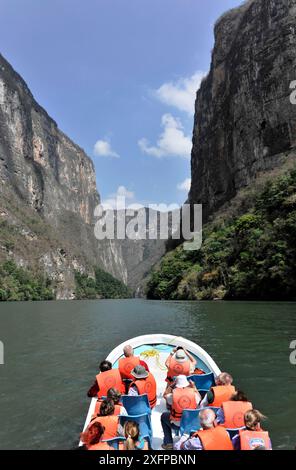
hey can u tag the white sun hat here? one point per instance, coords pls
(181, 381)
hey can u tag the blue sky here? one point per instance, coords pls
(118, 76)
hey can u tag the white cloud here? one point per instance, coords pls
(181, 94)
(102, 148)
(114, 198)
(185, 185)
(171, 143)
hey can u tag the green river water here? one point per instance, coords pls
(52, 351)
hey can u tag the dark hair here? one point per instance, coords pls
(105, 365)
(92, 435)
(107, 407)
(239, 396)
(114, 395)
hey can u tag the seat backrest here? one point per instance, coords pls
(203, 381)
(115, 442)
(234, 432)
(136, 405)
(189, 421)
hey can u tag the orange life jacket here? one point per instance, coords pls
(100, 446)
(178, 368)
(234, 412)
(110, 424)
(183, 399)
(249, 440)
(126, 365)
(117, 408)
(222, 393)
(215, 439)
(109, 379)
(148, 386)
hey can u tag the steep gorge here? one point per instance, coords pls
(47, 199)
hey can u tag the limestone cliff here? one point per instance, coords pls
(48, 195)
(244, 121)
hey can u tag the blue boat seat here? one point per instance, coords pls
(203, 381)
(114, 442)
(190, 421)
(136, 405)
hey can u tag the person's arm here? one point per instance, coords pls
(191, 358)
(193, 443)
(168, 360)
(133, 391)
(168, 391)
(144, 364)
(220, 416)
(123, 411)
(206, 399)
(120, 430)
(93, 391)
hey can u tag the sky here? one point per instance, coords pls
(119, 77)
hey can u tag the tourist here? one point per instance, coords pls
(210, 437)
(232, 412)
(109, 420)
(143, 383)
(179, 362)
(129, 362)
(92, 438)
(179, 396)
(108, 378)
(222, 391)
(253, 437)
(114, 395)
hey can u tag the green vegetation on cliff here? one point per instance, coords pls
(103, 286)
(251, 256)
(20, 284)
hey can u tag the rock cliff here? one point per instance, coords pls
(244, 121)
(48, 195)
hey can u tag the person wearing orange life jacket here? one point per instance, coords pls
(92, 438)
(110, 421)
(115, 396)
(127, 363)
(143, 383)
(232, 412)
(180, 396)
(253, 437)
(179, 362)
(222, 391)
(107, 378)
(209, 437)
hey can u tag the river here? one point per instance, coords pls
(52, 351)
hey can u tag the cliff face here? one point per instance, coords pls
(244, 121)
(48, 195)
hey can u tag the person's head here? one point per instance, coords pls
(139, 372)
(128, 350)
(253, 419)
(92, 435)
(107, 407)
(181, 382)
(105, 365)
(180, 355)
(224, 379)
(114, 395)
(131, 433)
(239, 396)
(207, 418)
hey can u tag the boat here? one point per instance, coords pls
(154, 350)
